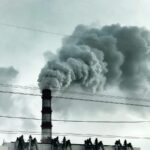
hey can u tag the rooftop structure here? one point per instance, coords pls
(54, 144)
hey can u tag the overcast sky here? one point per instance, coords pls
(24, 52)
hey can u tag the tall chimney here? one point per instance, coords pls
(46, 115)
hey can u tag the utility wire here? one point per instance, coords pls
(79, 99)
(75, 134)
(19, 93)
(17, 117)
(100, 101)
(19, 86)
(76, 121)
(74, 92)
(32, 29)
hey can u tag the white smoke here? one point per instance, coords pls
(7, 76)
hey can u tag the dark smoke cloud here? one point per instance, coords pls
(7, 75)
(76, 64)
(92, 57)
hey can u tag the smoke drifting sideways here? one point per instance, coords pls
(7, 76)
(97, 58)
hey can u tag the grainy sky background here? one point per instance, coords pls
(23, 53)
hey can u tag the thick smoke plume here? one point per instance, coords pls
(95, 58)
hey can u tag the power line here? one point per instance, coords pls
(17, 117)
(32, 29)
(74, 92)
(100, 101)
(75, 134)
(18, 86)
(105, 122)
(76, 121)
(79, 99)
(19, 93)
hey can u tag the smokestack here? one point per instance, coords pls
(46, 115)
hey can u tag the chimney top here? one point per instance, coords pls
(46, 94)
